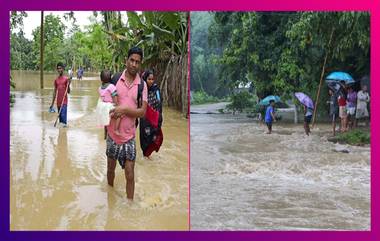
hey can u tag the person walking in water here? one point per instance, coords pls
(61, 90)
(151, 136)
(308, 116)
(80, 73)
(132, 104)
(269, 116)
(71, 73)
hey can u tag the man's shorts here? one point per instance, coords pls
(269, 125)
(122, 152)
(351, 110)
(333, 117)
(342, 112)
(307, 119)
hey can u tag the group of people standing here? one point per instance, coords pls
(350, 106)
(347, 104)
(131, 100)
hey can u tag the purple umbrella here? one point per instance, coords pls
(304, 99)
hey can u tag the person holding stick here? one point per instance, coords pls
(61, 89)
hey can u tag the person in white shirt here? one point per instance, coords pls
(361, 107)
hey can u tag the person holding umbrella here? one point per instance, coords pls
(308, 116)
(308, 109)
(342, 79)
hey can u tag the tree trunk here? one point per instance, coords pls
(174, 84)
(42, 52)
(73, 65)
(321, 79)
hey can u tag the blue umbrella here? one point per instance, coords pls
(266, 100)
(340, 76)
(304, 99)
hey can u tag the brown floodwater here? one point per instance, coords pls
(244, 179)
(58, 175)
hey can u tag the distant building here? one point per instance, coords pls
(244, 87)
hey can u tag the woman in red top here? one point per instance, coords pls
(342, 112)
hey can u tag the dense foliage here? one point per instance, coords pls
(104, 43)
(277, 52)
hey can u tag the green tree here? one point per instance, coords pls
(21, 49)
(283, 52)
(17, 19)
(54, 31)
(96, 47)
(20, 46)
(204, 51)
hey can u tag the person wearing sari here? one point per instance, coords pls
(151, 136)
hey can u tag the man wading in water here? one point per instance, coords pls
(122, 147)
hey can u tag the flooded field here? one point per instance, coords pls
(58, 175)
(244, 179)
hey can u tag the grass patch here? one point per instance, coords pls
(355, 137)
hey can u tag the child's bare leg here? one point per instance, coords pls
(305, 128)
(345, 124)
(117, 125)
(269, 129)
(334, 125)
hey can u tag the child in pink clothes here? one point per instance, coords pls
(108, 100)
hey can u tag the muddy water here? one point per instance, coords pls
(58, 175)
(242, 178)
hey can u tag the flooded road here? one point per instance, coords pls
(58, 175)
(244, 179)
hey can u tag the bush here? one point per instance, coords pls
(354, 137)
(201, 97)
(241, 101)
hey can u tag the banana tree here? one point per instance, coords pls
(160, 34)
